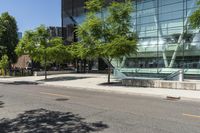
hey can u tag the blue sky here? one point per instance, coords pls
(31, 13)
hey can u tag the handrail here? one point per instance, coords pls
(119, 74)
(108, 63)
(172, 75)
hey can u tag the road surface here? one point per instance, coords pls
(44, 109)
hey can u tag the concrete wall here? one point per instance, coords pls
(185, 85)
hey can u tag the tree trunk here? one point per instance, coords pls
(45, 69)
(10, 68)
(80, 65)
(88, 63)
(109, 73)
(84, 70)
(31, 67)
(4, 72)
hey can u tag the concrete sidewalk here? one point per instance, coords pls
(97, 82)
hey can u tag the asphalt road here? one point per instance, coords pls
(43, 109)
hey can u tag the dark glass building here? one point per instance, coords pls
(55, 31)
(167, 43)
(72, 14)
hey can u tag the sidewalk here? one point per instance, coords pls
(95, 82)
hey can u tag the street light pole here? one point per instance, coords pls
(45, 58)
(45, 63)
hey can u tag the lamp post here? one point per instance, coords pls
(45, 62)
(45, 58)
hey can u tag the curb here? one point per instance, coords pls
(21, 82)
(109, 90)
(163, 96)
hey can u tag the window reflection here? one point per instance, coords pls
(162, 27)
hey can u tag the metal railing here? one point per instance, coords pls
(178, 75)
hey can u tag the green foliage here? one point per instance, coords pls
(110, 37)
(90, 30)
(4, 64)
(78, 50)
(89, 33)
(195, 18)
(56, 51)
(119, 46)
(120, 17)
(40, 46)
(94, 5)
(28, 45)
(8, 36)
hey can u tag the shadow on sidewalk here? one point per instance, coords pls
(20, 83)
(111, 84)
(45, 121)
(64, 78)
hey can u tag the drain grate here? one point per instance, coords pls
(62, 99)
(172, 98)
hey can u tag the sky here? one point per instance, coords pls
(29, 14)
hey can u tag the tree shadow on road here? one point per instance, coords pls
(1, 104)
(64, 78)
(45, 121)
(112, 84)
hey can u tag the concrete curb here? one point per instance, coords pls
(94, 86)
(163, 96)
(20, 82)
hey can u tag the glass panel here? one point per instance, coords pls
(171, 16)
(159, 25)
(142, 4)
(167, 2)
(171, 8)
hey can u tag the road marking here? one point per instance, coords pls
(190, 115)
(53, 94)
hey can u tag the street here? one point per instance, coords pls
(46, 109)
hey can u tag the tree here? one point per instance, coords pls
(107, 37)
(8, 36)
(42, 48)
(4, 64)
(195, 18)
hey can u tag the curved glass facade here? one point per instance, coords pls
(166, 40)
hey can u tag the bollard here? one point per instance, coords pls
(35, 73)
(181, 75)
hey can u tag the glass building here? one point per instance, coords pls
(54, 31)
(167, 43)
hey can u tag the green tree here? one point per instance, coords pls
(107, 37)
(42, 48)
(4, 64)
(195, 17)
(8, 36)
